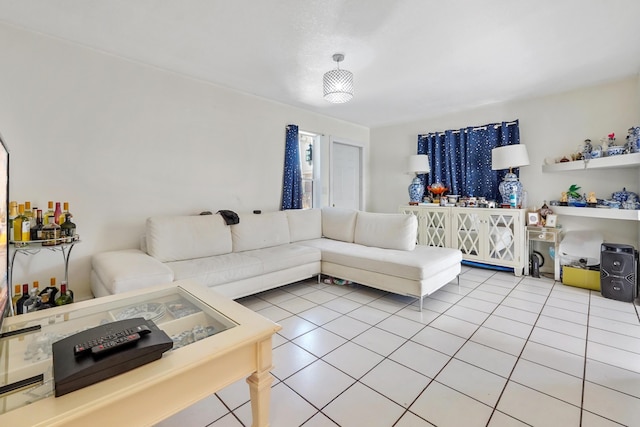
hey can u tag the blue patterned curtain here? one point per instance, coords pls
(461, 159)
(292, 177)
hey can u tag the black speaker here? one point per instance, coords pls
(618, 272)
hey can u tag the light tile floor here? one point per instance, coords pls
(497, 351)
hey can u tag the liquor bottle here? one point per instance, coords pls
(67, 229)
(30, 303)
(22, 299)
(21, 226)
(49, 214)
(50, 290)
(69, 291)
(16, 297)
(44, 302)
(57, 213)
(64, 297)
(63, 213)
(13, 213)
(28, 213)
(36, 230)
(51, 234)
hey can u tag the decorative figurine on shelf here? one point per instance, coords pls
(591, 200)
(564, 199)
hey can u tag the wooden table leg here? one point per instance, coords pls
(260, 385)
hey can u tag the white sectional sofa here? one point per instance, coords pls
(267, 250)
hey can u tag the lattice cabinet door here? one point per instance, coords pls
(437, 227)
(468, 233)
(434, 224)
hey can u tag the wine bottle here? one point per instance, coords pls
(36, 230)
(44, 302)
(21, 226)
(22, 299)
(63, 213)
(49, 214)
(57, 213)
(64, 297)
(13, 213)
(67, 229)
(16, 297)
(30, 303)
(28, 213)
(69, 291)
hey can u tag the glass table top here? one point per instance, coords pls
(179, 312)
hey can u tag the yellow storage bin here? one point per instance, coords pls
(588, 279)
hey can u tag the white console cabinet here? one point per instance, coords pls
(488, 236)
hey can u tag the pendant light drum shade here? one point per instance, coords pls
(338, 84)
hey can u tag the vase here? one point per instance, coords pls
(416, 190)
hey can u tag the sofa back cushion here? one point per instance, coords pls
(257, 231)
(389, 231)
(176, 238)
(304, 224)
(339, 223)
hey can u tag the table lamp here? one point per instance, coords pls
(418, 163)
(509, 157)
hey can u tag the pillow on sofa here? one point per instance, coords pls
(390, 231)
(304, 224)
(257, 231)
(339, 223)
(175, 238)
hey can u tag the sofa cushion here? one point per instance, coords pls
(285, 256)
(215, 270)
(304, 224)
(129, 269)
(339, 223)
(421, 263)
(391, 231)
(174, 238)
(257, 231)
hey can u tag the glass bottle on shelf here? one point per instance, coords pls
(63, 213)
(69, 291)
(64, 297)
(22, 299)
(49, 214)
(51, 290)
(28, 213)
(44, 302)
(21, 226)
(50, 234)
(57, 213)
(36, 230)
(67, 229)
(16, 296)
(30, 303)
(13, 213)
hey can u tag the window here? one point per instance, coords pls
(309, 149)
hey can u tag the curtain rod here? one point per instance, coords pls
(495, 126)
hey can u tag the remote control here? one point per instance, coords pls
(109, 346)
(81, 348)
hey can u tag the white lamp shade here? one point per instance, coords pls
(509, 156)
(338, 86)
(418, 163)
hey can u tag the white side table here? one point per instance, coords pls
(544, 234)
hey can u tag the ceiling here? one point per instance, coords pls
(411, 59)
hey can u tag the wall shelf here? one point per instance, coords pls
(625, 214)
(622, 161)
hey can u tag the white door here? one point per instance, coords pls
(346, 176)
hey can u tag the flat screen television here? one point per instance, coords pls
(5, 294)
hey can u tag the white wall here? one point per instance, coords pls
(550, 126)
(122, 141)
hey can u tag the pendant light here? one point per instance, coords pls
(338, 84)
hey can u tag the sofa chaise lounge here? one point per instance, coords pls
(268, 250)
